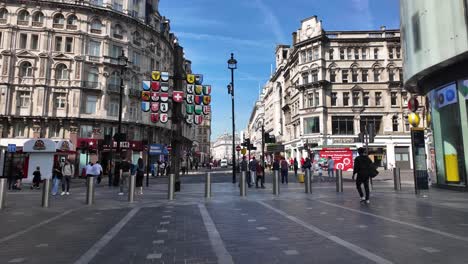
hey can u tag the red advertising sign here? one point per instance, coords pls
(343, 157)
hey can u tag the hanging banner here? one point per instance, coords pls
(164, 107)
(206, 109)
(190, 98)
(198, 89)
(190, 109)
(164, 87)
(198, 99)
(189, 119)
(198, 119)
(198, 109)
(164, 97)
(206, 99)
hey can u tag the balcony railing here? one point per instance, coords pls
(72, 27)
(37, 24)
(60, 26)
(94, 58)
(2, 20)
(113, 88)
(23, 22)
(96, 31)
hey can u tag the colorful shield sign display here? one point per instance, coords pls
(198, 119)
(177, 96)
(198, 99)
(164, 87)
(198, 79)
(164, 76)
(154, 117)
(164, 97)
(145, 85)
(206, 89)
(164, 118)
(190, 78)
(189, 119)
(156, 75)
(145, 106)
(154, 96)
(198, 109)
(190, 88)
(164, 107)
(206, 99)
(206, 109)
(190, 109)
(155, 86)
(189, 98)
(154, 107)
(198, 89)
(145, 96)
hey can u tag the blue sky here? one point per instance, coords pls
(209, 30)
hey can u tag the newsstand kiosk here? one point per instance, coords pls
(41, 154)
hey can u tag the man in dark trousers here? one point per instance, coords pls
(362, 166)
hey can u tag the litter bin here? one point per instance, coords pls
(300, 177)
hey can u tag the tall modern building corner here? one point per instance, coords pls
(435, 45)
(60, 76)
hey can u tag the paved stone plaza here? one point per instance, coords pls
(294, 227)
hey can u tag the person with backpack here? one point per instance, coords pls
(68, 170)
(364, 169)
(284, 170)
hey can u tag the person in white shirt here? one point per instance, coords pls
(97, 171)
(89, 170)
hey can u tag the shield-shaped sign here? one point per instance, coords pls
(164, 107)
(164, 87)
(154, 96)
(164, 97)
(198, 119)
(155, 86)
(154, 107)
(206, 109)
(164, 76)
(206, 99)
(164, 118)
(177, 96)
(198, 89)
(145, 106)
(190, 88)
(189, 119)
(198, 109)
(145, 96)
(206, 89)
(198, 79)
(190, 108)
(154, 117)
(145, 85)
(198, 99)
(190, 78)
(189, 98)
(156, 75)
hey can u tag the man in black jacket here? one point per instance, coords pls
(362, 167)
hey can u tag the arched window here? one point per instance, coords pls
(26, 69)
(59, 21)
(37, 19)
(136, 38)
(61, 72)
(96, 26)
(3, 14)
(118, 32)
(23, 17)
(72, 22)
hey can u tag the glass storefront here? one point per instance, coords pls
(450, 132)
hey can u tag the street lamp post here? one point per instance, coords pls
(232, 65)
(123, 63)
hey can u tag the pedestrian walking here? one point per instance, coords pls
(308, 165)
(124, 174)
(68, 170)
(56, 177)
(183, 165)
(253, 170)
(331, 167)
(284, 170)
(36, 178)
(140, 173)
(363, 169)
(296, 166)
(89, 170)
(97, 172)
(260, 176)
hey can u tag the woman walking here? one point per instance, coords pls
(68, 170)
(140, 173)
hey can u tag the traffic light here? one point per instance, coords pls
(246, 142)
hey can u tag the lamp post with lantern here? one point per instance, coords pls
(232, 65)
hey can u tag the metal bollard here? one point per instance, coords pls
(3, 184)
(131, 188)
(208, 185)
(276, 189)
(307, 181)
(45, 193)
(90, 190)
(339, 181)
(243, 191)
(396, 179)
(170, 191)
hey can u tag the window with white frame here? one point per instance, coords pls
(356, 54)
(86, 131)
(90, 104)
(136, 58)
(59, 19)
(60, 100)
(93, 75)
(391, 74)
(3, 15)
(115, 51)
(310, 100)
(72, 20)
(376, 75)
(96, 26)
(342, 54)
(404, 98)
(376, 53)
(345, 98)
(394, 98)
(312, 125)
(24, 99)
(316, 99)
(350, 54)
(61, 72)
(303, 57)
(68, 44)
(38, 18)
(117, 5)
(395, 124)
(354, 74)
(344, 76)
(356, 98)
(364, 53)
(332, 75)
(26, 69)
(330, 54)
(118, 32)
(390, 52)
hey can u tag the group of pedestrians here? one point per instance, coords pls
(121, 172)
(61, 175)
(256, 172)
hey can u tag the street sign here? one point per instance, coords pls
(244, 151)
(238, 148)
(11, 148)
(413, 104)
(156, 149)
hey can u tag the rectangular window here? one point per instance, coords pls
(350, 54)
(345, 98)
(309, 55)
(404, 98)
(315, 76)
(317, 99)
(342, 125)
(94, 48)
(378, 98)
(395, 124)
(58, 44)
(60, 101)
(374, 121)
(364, 75)
(86, 131)
(398, 53)
(390, 53)
(316, 54)
(344, 76)
(91, 103)
(334, 98)
(19, 129)
(354, 75)
(330, 54)
(332, 76)
(364, 54)
(391, 75)
(311, 125)
(305, 78)
(68, 44)
(113, 108)
(356, 54)
(310, 100)
(23, 40)
(393, 98)
(116, 51)
(54, 131)
(136, 59)
(342, 54)
(366, 98)
(117, 5)
(34, 42)
(356, 98)
(303, 57)
(400, 73)
(24, 99)
(376, 53)
(376, 75)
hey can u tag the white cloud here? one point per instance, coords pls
(230, 40)
(271, 20)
